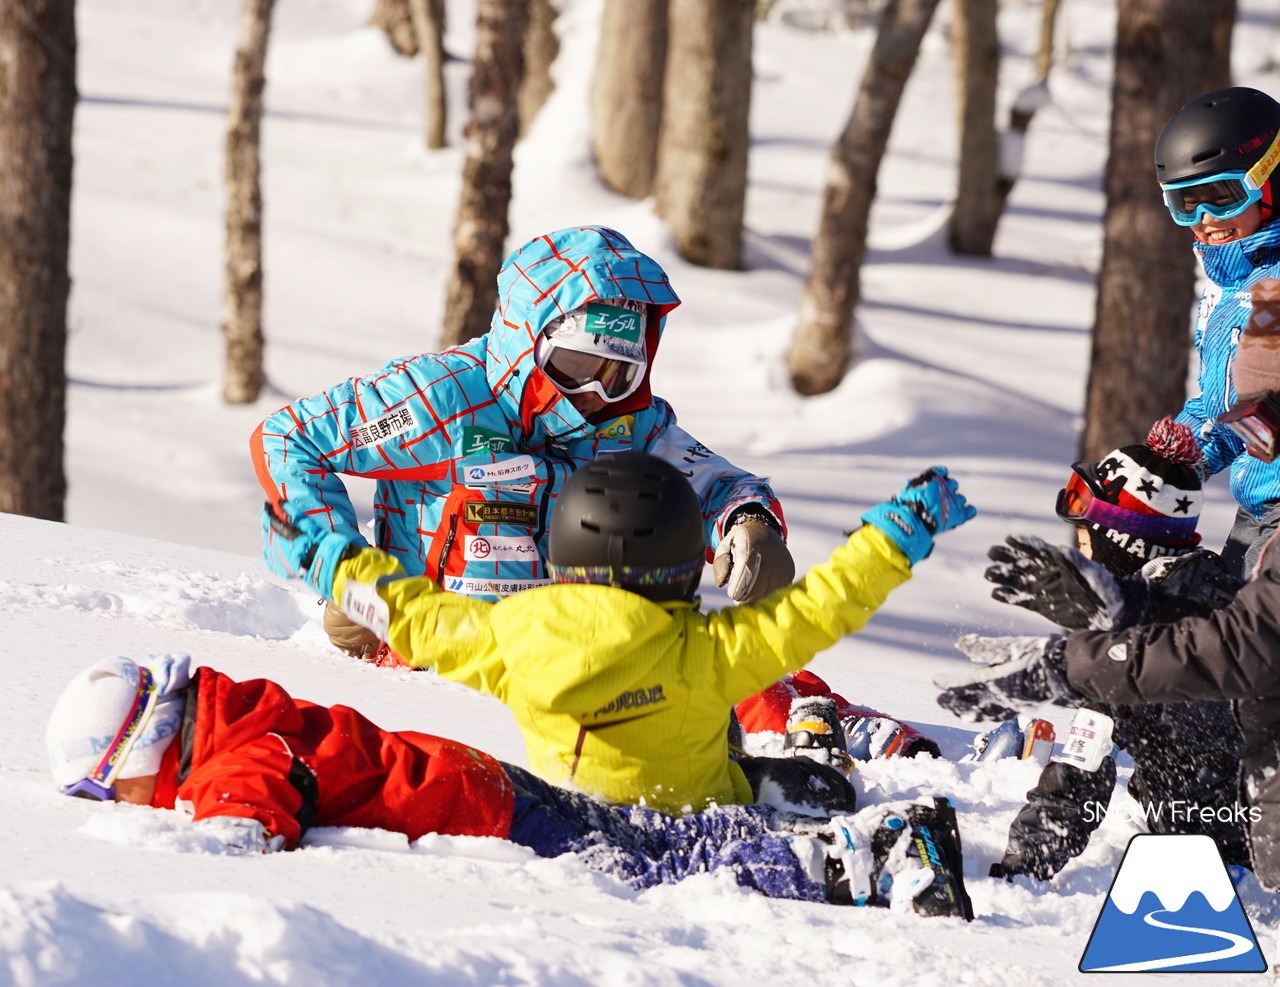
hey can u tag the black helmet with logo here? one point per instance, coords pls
(631, 520)
(1225, 130)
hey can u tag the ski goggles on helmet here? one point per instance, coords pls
(1257, 423)
(1082, 501)
(100, 785)
(575, 372)
(1222, 196)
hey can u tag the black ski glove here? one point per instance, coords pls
(1057, 583)
(1022, 673)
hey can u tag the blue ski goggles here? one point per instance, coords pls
(1221, 196)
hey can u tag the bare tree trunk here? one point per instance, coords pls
(1048, 25)
(481, 228)
(1024, 108)
(976, 50)
(626, 94)
(37, 104)
(540, 49)
(242, 287)
(822, 345)
(1167, 52)
(396, 19)
(428, 27)
(702, 149)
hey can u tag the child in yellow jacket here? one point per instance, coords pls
(621, 687)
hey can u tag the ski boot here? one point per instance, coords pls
(1012, 739)
(814, 731)
(905, 856)
(882, 736)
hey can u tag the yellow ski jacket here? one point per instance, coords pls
(621, 698)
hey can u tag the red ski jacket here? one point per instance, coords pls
(249, 749)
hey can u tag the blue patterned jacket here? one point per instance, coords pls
(1232, 269)
(470, 446)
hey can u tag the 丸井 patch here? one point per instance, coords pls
(490, 512)
(380, 430)
(499, 548)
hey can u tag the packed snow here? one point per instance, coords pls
(975, 363)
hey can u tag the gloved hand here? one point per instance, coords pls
(1057, 583)
(346, 635)
(238, 835)
(1022, 673)
(299, 548)
(928, 504)
(753, 560)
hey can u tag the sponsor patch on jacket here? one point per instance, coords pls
(491, 512)
(382, 429)
(466, 586)
(614, 322)
(499, 548)
(477, 441)
(620, 429)
(633, 699)
(509, 469)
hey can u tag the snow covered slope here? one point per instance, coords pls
(978, 364)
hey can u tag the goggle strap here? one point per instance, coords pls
(118, 750)
(1265, 165)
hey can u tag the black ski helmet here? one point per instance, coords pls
(632, 520)
(1225, 130)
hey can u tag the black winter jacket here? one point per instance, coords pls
(1232, 653)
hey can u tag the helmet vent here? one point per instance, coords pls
(1204, 156)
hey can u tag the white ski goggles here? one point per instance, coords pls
(100, 785)
(575, 372)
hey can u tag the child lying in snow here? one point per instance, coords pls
(257, 768)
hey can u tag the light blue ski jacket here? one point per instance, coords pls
(470, 446)
(1232, 269)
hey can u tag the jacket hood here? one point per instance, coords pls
(551, 275)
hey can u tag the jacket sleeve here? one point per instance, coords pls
(433, 629)
(1219, 444)
(259, 780)
(721, 486)
(756, 645)
(380, 426)
(1234, 653)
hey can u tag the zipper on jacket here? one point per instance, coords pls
(444, 551)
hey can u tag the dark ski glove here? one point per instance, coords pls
(1022, 673)
(926, 505)
(752, 559)
(299, 548)
(1056, 582)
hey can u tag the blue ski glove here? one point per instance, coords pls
(926, 505)
(301, 549)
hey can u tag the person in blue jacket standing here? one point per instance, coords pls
(1215, 161)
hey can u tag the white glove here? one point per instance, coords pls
(239, 835)
(752, 561)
